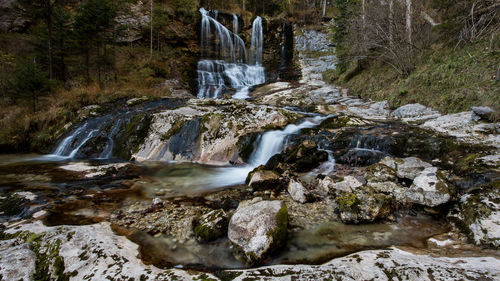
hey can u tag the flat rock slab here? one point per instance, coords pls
(392, 264)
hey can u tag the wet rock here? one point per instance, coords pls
(298, 192)
(407, 168)
(211, 226)
(264, 180)
(12, 205)
(207, 131)
(429, 188)
(17, 260)
(363, 206)
(258, 229)
(482, 112)
(415, 113)
(92, 148)
(478, 216)
(305, 156)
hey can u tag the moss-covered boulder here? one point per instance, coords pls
(363, 206)
(211, 226)
(382, 178)
(257, 229)
(478, 216)
(131, 136)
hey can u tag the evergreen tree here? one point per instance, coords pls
(29, 81)
(93, 31)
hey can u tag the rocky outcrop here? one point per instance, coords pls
(133, 19)
(207, 131)
(478, 216)
(257, 229)
(462, 126)
(11, 19)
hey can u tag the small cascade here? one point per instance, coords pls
(272, 142)
(269, 144)
(223, 68)
(256, 42)
(95, 138)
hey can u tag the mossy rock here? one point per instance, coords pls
(335, 122)
(12, 205)
(211, 226)
(131, 136)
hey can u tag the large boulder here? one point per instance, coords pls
(429, 188)
(257, 229)
(415, 112)
(211, 226)
(407, 168)
(478, 216)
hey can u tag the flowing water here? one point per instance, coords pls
(223, 68)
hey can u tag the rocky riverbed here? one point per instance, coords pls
(301, 182)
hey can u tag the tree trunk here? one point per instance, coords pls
(87, 64)
(49, 27)
(391, 22)
(151, 37)
(363, 22)
(408, 24)
(324, 8)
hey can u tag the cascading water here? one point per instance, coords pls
(95, 138)
(270, 143)
(228, 72)
(256, 42)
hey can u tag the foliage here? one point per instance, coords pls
(29, 81)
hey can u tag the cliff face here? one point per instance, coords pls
(11, 19)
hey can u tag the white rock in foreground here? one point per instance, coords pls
(17, 261)
(90, 252)
(257, 229)
(384, 265)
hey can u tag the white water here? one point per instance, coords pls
(256, 42)
(271, 143)
(228, 72)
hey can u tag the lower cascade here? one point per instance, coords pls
(228, 72)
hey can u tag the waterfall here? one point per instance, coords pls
(270, 143)
(223, 68)
(256, 42)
